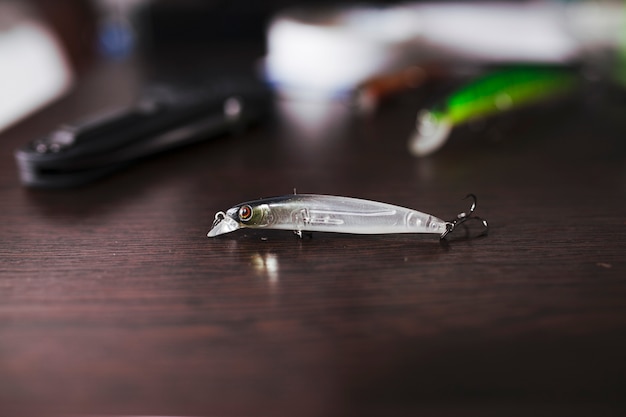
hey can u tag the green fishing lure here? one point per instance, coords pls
(498, 92)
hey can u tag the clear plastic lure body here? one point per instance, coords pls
(326, 213)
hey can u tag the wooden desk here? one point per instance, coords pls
(113, 301)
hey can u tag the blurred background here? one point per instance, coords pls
(316, 49)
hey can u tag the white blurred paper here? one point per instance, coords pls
(336, 50)
(33, 71)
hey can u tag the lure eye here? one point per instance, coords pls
(245, 213)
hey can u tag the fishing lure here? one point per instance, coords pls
(327, 213)
(492, 94)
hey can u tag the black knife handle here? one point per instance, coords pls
(165, 117)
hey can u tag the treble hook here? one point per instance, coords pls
(463, 217)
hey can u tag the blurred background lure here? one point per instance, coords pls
(498, 92)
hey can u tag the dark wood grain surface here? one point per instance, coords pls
(113, 301)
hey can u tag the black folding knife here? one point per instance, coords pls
(165, 117)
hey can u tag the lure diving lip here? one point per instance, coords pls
(223, 224)
(325, 213)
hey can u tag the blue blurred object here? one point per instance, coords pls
(116, 39)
